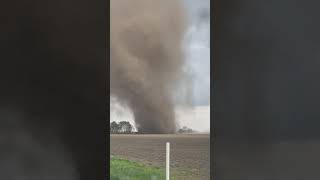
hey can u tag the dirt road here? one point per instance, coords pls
(190, 154)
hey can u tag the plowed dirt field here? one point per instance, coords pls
(189, 155)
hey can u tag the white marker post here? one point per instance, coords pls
(167, 161)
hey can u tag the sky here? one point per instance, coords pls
(197, 49)
(197, 53)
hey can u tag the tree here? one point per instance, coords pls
(114, 127)
(125, 127)
(121, 127)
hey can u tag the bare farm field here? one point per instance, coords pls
(189, 155)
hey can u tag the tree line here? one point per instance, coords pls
(123, 127)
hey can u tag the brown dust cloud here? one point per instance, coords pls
(146, 59)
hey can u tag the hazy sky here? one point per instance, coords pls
(197, 49)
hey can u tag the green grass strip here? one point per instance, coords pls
(122, 169)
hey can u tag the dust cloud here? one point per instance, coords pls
(146, 59)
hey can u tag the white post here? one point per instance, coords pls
(167, 161)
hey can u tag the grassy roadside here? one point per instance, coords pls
(122, 169)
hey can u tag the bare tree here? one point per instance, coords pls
(114, 127)
(125, 127)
